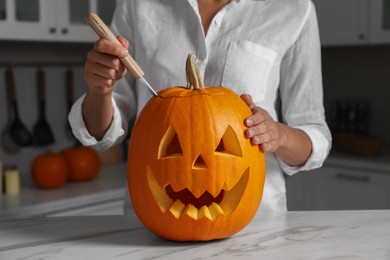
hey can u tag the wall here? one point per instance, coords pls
(360, 73)
(57, 54)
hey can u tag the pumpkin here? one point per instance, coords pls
(192, 173)
(49, 171)
(83, 163)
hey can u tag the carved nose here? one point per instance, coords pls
(199, 163)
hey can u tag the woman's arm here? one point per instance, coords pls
(102, 69)
(292, 145)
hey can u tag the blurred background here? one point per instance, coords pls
(51, 36)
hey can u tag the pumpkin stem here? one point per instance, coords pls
(194, 80)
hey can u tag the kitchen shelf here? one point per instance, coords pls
(107, 187)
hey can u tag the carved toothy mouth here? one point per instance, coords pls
(181, 203)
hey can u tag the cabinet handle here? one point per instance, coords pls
(64, 30)
(52, 30)
(348, 177)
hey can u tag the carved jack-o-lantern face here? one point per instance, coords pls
(192, 174)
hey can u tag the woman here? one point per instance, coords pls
(267, 51)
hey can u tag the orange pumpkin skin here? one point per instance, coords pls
(83, 163)
(176, 145)
(49, 171)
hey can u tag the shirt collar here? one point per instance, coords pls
(251, 0)
(191, 1)
(194, 3)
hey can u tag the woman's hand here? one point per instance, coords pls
(103, 67)
(292, 145)
(262, 129)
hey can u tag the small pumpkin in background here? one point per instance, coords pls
(49, 170)
(192, 173)
(83, 163)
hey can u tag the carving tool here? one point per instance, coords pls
(104, 32)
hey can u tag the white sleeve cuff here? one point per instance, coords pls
(320, 150)
(114, 133)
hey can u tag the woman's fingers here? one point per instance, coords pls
(103, 66)
(262, 129)
(107, 47)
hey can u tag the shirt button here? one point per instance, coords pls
(218, 21)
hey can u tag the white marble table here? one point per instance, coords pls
(295, 235)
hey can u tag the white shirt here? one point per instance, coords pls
(269, 49)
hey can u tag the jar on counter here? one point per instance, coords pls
(11, 180)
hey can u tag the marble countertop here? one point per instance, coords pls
(293, 235)
(108, 185)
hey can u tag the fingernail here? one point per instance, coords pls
(124, 53)
(249, 133)
(249, 122)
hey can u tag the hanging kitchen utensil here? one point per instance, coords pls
(69, 101)
(7, 142)
(17, 130)
(42, 132)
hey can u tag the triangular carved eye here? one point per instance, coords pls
(170, 145)
(229, 144)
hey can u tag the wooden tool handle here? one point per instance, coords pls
(69, 84)
(105, 33)
(10, 80)
(41, 85)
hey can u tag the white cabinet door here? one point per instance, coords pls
(71, 21)
(342, 22)
(32, 20)
(51, 20)
(380, 21)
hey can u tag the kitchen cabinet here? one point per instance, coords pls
(380, 21)
(343, 22)
(51, 20)
(351, 189)
(28, 20)
(339, 187)
(353, 22)
(299, 189)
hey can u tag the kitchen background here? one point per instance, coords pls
(47, 35)
(355, 35)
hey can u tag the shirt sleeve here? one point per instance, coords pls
(115, 133)
(301, 93)
(124, 106)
